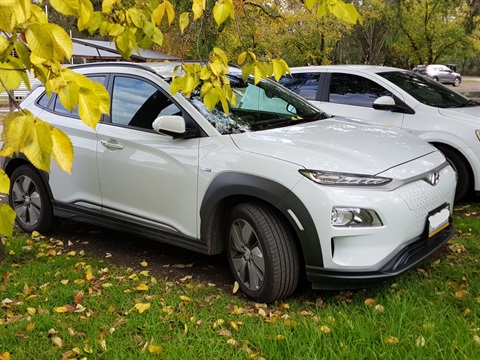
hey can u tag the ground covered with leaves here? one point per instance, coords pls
(59, 302)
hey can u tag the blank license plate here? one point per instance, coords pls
(438, 221)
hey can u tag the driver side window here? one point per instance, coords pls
(138, 103)
(355, 90)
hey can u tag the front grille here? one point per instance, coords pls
(422, 197)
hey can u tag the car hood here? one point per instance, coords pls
(470, 114)
(336, 145)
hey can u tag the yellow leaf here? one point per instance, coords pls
(155, 349)
(325, 329)
(66, 7)
(223, 10)
(185, 298)
(57, 341)
(461, 294)
(380, 309)
(5, 356)
(183, 21)
(141, 287)
(89, 274)
(7, 218)
(60, 310)
(236, 287)
(391, 340)
(29, 327)
(144, 263)
(262, 312)
(31, 311)
(198, 7)
(369, 302)
(169, 9)
(288, 322)
(142, 307)
(233, 342)
(64, 281)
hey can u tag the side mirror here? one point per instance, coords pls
(384, 103)
(172, 125)
(387, 103)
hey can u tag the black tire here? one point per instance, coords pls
(262, 253)
(457, 81)
(30, 200)
(459, 164)
(435, 78)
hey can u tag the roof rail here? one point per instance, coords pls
(112, 63)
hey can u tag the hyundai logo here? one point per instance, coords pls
(433, 178)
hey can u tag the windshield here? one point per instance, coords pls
(258, 107)
(426, 90)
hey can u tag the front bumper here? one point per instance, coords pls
(407, 257)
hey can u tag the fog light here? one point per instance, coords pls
(354, 217)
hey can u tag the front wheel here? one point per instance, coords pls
(457, 81)
(30, 200)
(262, 253)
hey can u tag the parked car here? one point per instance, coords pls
(440, 73)
(400, 98)
(279, 186)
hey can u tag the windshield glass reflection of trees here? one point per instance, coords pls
(258, 107)
(427, 91)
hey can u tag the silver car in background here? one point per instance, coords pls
(440, 73)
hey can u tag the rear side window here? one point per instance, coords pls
(305, 85)
(355, 90)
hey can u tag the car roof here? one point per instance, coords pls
(362, 68)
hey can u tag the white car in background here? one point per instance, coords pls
(396, 97)
(281, 187)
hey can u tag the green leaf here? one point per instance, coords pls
(62, 150)
(7, 218)
(183, 21)
(116, 30)
(4, 182)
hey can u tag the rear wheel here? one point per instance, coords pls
(30, 200)
(262, 253)
(457, 81)
(464, 181)
(435, 78)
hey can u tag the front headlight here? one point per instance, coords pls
(356, 217)
(336, 178)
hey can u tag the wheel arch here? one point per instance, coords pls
(10, 164)
(442, 147)
(229, 189)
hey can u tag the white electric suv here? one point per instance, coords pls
(279, 186)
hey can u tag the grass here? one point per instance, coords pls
(63, 304)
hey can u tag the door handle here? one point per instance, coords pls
(113, 146)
